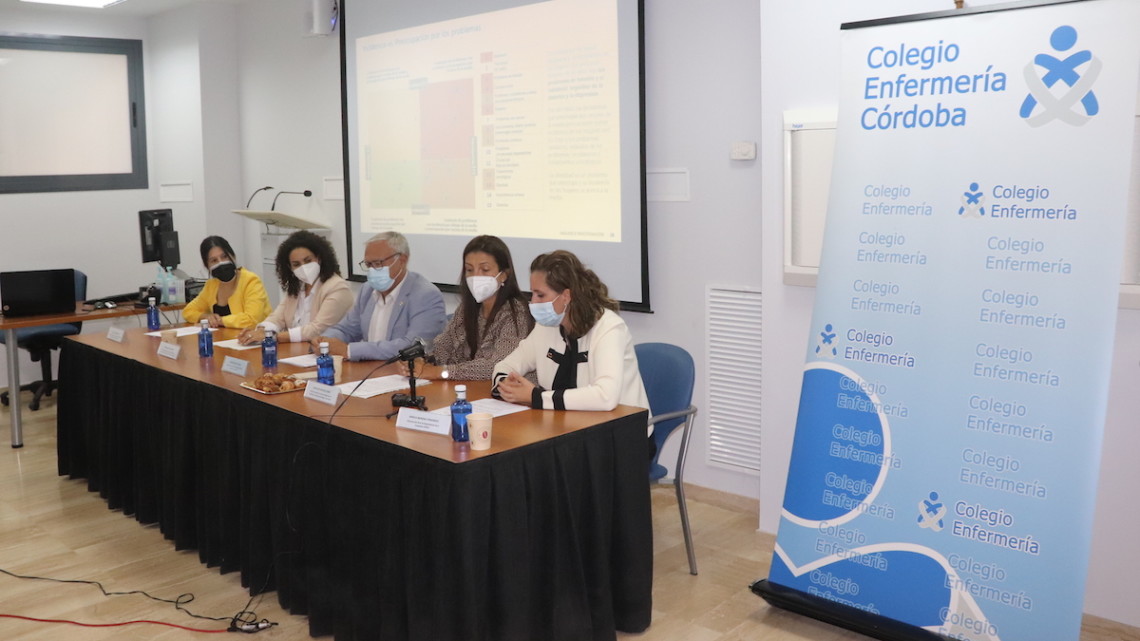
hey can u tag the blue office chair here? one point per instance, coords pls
(668, 374)
(40, 341)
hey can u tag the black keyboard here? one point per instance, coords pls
(116, 298)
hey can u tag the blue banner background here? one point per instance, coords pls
(944, 464)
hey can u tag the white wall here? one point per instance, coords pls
(290, 117)
(800, 71)
(702, 71)
(220, 84)
(175, 131)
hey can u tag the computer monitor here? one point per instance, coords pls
(157, 238)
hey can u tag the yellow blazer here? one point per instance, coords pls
(249, 304)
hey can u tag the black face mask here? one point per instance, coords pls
(224, 272)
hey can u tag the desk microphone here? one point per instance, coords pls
(305, 193)
(409, 353)
(255, 192)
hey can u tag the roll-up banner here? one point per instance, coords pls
(944, 465)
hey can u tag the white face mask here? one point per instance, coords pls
(308, 273)
(483, 287)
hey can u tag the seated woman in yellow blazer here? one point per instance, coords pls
(316, 297)
(232, 297)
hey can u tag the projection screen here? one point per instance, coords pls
(519, 119)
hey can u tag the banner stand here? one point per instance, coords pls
(837, 614)
(943, 470)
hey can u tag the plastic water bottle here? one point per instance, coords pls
(205, 339)
(171, 295)
(326, 373)
(459, 411)
(269, 350)
(152, 320)
(160, 283)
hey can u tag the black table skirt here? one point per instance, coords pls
(369, 539)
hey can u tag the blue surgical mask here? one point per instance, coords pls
(545, 315)
(380, 279)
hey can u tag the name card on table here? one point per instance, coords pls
(116, 334)
(235, 366)
(322, 393)
(433, 422)
(169, 350)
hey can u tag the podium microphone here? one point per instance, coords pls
(255, 192)
(305, 193)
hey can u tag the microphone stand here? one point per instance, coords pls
(408, 400)
(417, 400)
(305, 193)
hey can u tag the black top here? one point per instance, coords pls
(222, 310)
(566, 377)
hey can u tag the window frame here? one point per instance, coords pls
(137, 178)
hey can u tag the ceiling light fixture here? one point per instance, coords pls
(91, 4)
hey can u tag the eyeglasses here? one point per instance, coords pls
(377, 264)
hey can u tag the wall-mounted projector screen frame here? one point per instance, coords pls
(809, 141)
(515, 118)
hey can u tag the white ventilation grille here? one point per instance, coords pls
(734, 377)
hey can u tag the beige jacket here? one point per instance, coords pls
(331, 300)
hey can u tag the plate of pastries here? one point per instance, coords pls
(274, 383)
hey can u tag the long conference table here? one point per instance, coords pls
(372, 531)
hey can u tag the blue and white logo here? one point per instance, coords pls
(930, 513)
(1042, 105)
(973, 202)
(826, 345)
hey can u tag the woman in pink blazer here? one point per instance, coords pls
(316, 296)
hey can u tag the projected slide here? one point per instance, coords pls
(462, 135)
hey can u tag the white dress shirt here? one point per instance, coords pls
(304, 312)
(385, 305)
(301, 315)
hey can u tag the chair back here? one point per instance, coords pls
(668, 373)
(80, 292)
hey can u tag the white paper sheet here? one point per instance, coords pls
(234, 344)
(304, 360)
(492, 406)
(381, 385)
(182, 331)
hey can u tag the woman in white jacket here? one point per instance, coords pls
(580, 349)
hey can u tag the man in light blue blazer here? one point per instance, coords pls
(391, 311)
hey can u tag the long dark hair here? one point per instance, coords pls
(321, 248)
(210, 242)
(590, 297)
(508, 294)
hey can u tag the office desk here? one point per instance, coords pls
(373, 532)
(9, 325)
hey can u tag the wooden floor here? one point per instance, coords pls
(51, 526)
